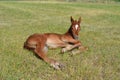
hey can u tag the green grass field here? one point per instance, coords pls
(100, 31)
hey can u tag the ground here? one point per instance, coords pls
(100, 32)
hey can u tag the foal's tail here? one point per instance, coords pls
(25, 46)
(29, 46)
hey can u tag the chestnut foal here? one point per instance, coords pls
(39, 43)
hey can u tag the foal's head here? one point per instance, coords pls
(75, 27)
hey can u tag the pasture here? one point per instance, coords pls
(100, 32)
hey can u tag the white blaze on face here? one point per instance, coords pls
(76, 26)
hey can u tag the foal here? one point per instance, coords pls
(39, 43)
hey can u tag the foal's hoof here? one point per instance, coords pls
(81, 49)
(57, 65)
(63, 50)
(85, 49)
(75, 52)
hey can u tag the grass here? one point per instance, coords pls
(100, 32)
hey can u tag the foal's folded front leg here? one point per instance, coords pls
(67, 48)
(79, 50)
(75, 44)
(71, 46)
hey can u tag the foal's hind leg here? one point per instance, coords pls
(40, 51)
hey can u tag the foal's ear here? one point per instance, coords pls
(72, 19)
(79, 20)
